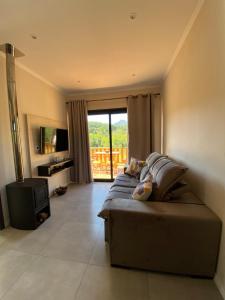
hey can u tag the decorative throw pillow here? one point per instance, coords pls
(143, 189)
(135, 167)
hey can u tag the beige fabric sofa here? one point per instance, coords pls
(179, 236)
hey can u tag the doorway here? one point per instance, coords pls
(108, 135)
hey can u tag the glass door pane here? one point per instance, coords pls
(100, 145)
(119, 142)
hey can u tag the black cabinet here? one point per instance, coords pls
(28, 202)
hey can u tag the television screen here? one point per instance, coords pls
(61, 140)
(48, 140)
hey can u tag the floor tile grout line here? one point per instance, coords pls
(31, 253)
(81, 280)
(29, 268)
(40, 255)
(65, 260)
(60, 259)
(50, 240)
(11, 247)
(52, 257)
(17, 279)
(87, 267)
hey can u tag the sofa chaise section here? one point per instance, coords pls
(178, 237)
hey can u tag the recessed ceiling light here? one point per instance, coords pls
(34, 37)
(133, 15)
(78, 81)
(133, 75)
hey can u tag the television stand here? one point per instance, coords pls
(49, 169)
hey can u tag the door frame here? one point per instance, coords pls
(110, 112)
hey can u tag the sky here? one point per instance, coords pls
(105, 118)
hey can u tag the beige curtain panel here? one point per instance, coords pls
(79, 141)
(144, 125)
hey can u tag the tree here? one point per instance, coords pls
(99, 134)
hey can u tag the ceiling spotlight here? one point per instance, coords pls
(133, 15)
(34, 37)
(78, 81)
(133, 75)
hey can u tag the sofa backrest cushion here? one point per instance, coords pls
(153, 157)
(165, 174)
(144, 172)
(177, 190)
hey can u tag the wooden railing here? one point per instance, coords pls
(100, 160)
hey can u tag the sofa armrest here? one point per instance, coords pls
(122, 204)
(151, 207)
(188, 208)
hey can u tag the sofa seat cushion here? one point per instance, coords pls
(118, 194)
(125, 181)
(122, 189)
(186, 198)
(187, 206)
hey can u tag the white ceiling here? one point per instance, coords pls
(94, 41)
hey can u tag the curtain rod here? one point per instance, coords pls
(114, 98)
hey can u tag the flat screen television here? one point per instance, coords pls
(53, 140)
(61, 140)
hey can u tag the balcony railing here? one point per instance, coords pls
(100, 161)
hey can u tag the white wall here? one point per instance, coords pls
(34, 97)
(194, 110)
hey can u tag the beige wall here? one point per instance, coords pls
(107, 94)
(34, 97)
(194, 111)
(36, 159)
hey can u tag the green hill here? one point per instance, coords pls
(99, 134)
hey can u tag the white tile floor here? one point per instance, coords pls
(66, 258)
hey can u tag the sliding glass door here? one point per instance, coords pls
(99, 137)
(108, 142)
(119, 135)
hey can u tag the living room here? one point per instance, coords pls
(110, 56)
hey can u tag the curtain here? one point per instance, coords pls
(144, 125)
(79, 141)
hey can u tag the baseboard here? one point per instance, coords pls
(219, 286)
